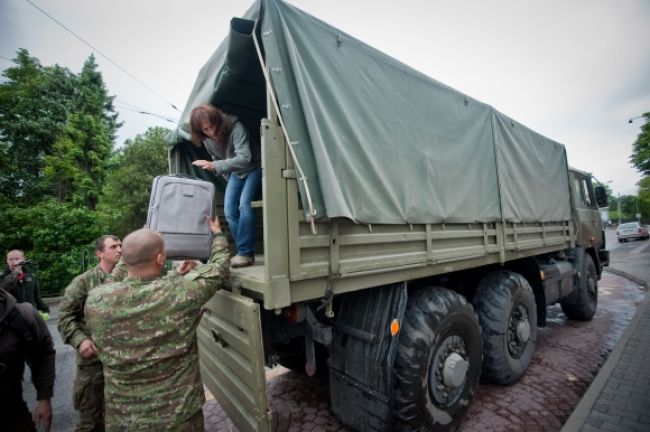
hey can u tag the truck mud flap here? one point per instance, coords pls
(232, 360)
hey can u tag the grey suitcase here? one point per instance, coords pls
(178, 208)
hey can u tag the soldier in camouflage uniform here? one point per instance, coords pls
(88, 394)
(145, 331)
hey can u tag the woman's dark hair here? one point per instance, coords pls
(207, 113)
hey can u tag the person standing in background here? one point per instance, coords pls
(88, 392)
(24, 287)
(24, 338)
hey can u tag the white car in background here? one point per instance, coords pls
(631, 231)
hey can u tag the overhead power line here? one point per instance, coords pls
(102, 54)
(135, 109)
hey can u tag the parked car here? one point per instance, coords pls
(631, 231)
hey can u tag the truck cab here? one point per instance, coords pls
(586, 200)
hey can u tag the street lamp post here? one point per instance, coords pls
(638, 198)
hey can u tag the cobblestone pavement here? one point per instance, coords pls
(567, 357)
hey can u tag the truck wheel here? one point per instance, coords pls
(581, 304)
(438, 361)
(505, 305)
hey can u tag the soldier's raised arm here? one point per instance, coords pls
(204, 279)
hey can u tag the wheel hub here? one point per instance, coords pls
(518, 331)
(454, 371)
(523, 331)
(448, 370)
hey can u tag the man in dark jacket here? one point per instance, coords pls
(24, 337)
(24, 287)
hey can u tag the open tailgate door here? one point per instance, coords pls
(232, 359)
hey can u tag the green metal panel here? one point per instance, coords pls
(274, 190)
(232, 359)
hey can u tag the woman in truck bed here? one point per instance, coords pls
(227, 141)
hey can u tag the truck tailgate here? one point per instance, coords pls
(232, 359)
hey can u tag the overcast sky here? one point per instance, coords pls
(573, 70)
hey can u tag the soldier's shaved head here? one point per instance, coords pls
(141, 247)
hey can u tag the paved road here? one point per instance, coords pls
(619, 397)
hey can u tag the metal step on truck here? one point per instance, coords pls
(410, 237)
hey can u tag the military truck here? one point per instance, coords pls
(410, 237)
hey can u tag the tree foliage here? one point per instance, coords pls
(39, 107)
(77, 166)
(640, 157)
(56, 137)
(32, 115)
(126, 193)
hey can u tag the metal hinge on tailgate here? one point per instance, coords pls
(289, 174)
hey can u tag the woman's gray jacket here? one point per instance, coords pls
(237, 157)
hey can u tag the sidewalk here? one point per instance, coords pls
(619, 397)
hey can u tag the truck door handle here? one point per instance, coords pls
(218, 339)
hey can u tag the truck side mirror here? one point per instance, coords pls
(601, 196)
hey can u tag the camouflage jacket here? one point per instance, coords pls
(72, 324)
(145, 332)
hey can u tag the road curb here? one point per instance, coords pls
(582, 411)
(645, 285)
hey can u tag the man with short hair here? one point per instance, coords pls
(88, 393)
(24, 287)
(145, 331)
(24, 338)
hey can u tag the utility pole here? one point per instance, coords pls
(619, 208)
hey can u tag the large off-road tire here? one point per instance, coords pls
(505, 305)
(581, 304)
(438, 361)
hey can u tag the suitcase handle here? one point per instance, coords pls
(185, 176)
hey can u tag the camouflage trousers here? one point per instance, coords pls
(88, 398)
(193, 424)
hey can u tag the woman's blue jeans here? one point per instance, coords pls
(239, 213)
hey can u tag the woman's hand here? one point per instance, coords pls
(203, 164)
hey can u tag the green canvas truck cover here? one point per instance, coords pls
(377, 141)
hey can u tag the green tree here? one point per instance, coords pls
(36, 103)
(94, 99)
(125, 200)
(628, 207)
(640, 157)
(32, 115)
(77, 166)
